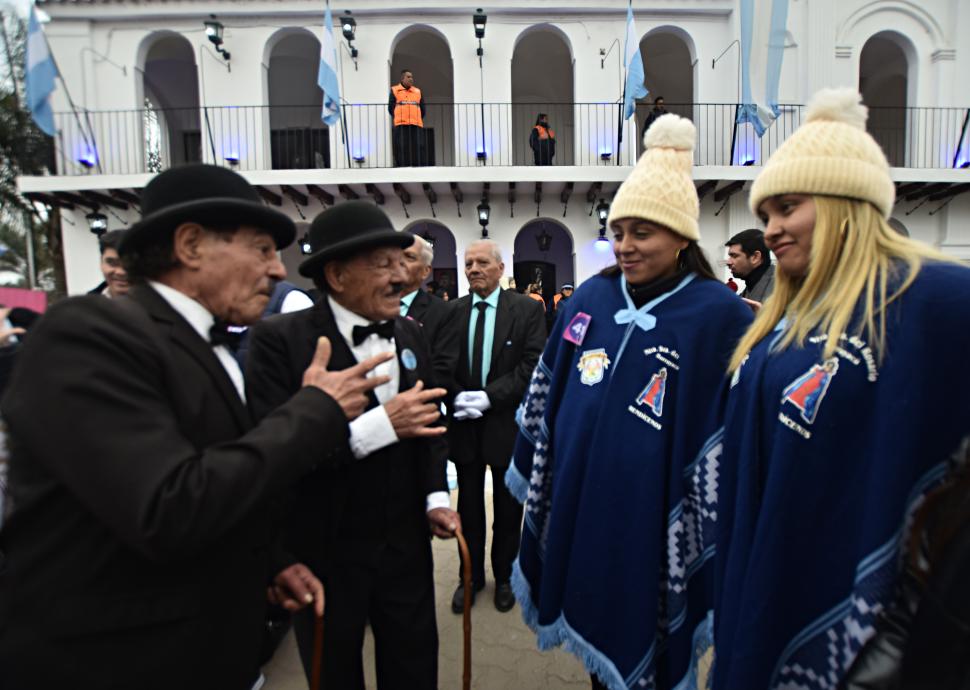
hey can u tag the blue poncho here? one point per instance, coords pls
(611, 464)
(824, 461)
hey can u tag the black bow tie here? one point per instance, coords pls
(385, 329)
(223, 333)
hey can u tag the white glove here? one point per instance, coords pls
(477, 400)
(467, 413)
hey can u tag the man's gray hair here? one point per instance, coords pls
(425, 250)
(492, 245)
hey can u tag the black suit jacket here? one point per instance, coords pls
(348, 507)
(136, 553)
(520, 336)
(432, 313)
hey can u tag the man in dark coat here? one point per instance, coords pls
(137, 551)
(748, 258)
(498, 349)
(362, 521)
(428, 310)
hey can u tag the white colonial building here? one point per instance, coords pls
(151, 90)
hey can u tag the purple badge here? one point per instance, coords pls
(576, 330)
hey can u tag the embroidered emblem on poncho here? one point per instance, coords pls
(576, 330)
(653, 394)
(807, 391)
(592, 365)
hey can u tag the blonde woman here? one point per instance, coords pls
(846, 400)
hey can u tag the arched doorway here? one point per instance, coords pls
(542, 82)
(543, 254)
(444, 266)
(884, 84)
(668, 73)
(298, 137)
(426, 53)
(170, 97)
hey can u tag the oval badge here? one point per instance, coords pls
(408, 359)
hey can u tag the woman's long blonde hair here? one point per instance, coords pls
(855, 254)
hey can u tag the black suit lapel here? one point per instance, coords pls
(503, 325)
(419, 306)
(186, 338)
(402, 341)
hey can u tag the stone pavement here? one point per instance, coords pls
(504, 654)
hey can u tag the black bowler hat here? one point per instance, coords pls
(346, 229)
(204, 194)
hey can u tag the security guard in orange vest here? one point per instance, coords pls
(542, 141)
(406, 106)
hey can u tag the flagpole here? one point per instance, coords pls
(91, 143)
(619, 123)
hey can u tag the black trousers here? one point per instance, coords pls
(506, 527)
(394, 592)
(408, 146)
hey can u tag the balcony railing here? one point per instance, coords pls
(456, 135)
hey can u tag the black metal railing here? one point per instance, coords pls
(458, 135)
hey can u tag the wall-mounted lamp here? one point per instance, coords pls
(606, 155)
(481, 155)
(359, 158)
(602, 239)
(232, 158)
(348, 25)
(214, 29)
(429, 238)
(479, 19)
(305, 247)
(97, 222)
(602, 212)
(484, 210)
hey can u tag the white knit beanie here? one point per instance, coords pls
(660, 188)
(831, 154)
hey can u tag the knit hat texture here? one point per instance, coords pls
(830, 154)
(660, 188)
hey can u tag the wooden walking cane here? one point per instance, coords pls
(466, 579)
(317, 666)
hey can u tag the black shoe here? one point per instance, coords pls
(458, 599)
(504, 599)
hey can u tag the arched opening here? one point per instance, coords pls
(298, 137)
(427, 55)
(899, 226)
(668, 73)
(543, 254)
(542, 82)
(884, 83)
(170, 92)
(443, 280)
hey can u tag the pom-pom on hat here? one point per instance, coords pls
(830, 154)
(660, 188)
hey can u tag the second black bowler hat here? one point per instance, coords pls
(348, 228)
(204, 194)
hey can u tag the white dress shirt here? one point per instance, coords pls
(372, 430)
(201, 321)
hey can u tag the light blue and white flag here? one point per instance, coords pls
(763, 25)
(40, 74)
(634, 67)
(327, 76)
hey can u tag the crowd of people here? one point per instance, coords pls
(691, 488)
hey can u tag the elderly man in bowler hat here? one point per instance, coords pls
(137, 551)
(362, 521)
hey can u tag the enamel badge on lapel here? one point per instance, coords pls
(408, 359)
(576, 330)
(592, 365)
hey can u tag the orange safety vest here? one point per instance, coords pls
(407, 111)
(544, 133)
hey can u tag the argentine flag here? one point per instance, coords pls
(763, 24)
(327, 77)
(40, 74)
(634, 67)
